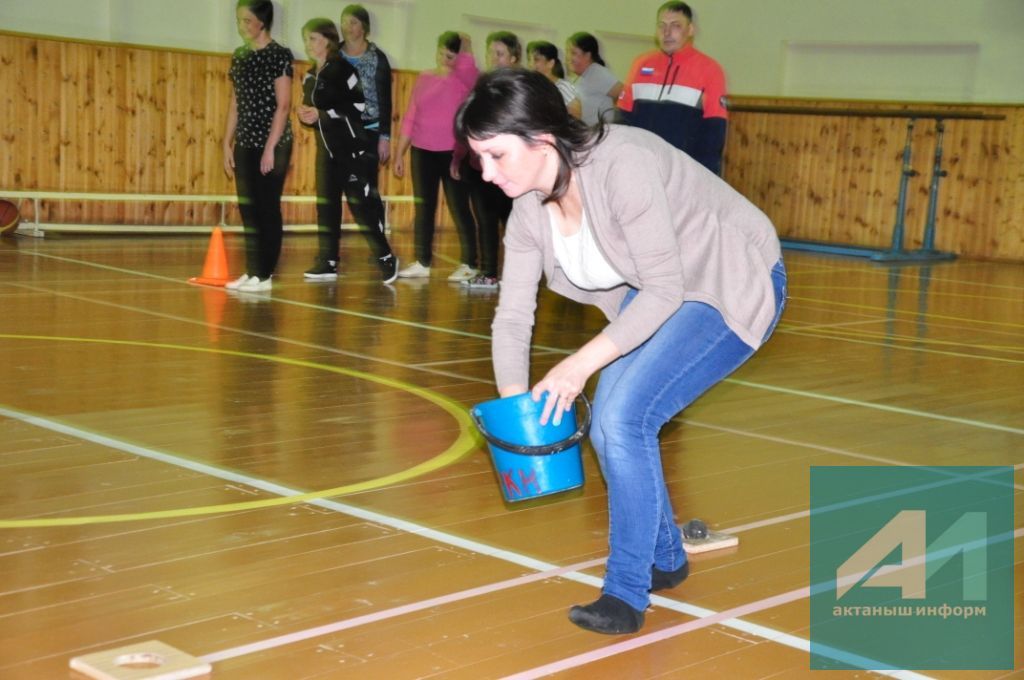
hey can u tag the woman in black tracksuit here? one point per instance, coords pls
(332, 106)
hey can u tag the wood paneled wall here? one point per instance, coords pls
(836, 178)
(80, 116)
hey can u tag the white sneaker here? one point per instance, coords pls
(256, 285)
(415, 271)
(463, 273)
(237, 283)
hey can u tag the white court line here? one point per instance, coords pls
(415, 529)
(706, 617)
(723, 617)
(385, 520)
(898, 343)
(798, 326)
(818, 447)
(881, 407)
(441, 329)
(253, 334)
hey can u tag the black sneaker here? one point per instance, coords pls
(323, 270)
(388, 267)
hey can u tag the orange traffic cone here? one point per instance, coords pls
(215, 269)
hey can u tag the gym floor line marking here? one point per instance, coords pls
(295, 303)
(875, 271)
(464, 444)
(431, 329)
(892, 345)
(912, 312)
(723, 618)
(808, 445)
(881, 407)
(1016, 349)
(427, 533)
(248, 333)
(707, 617)
(908, 292)
(555, 350)
(474, 546)
(810, 325)
(412, 607)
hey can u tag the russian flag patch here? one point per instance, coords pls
(647, 70)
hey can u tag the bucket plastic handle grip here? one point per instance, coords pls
(542, 449)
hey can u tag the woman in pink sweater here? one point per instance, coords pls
(428, 127)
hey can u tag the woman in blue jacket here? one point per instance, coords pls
(332, 105)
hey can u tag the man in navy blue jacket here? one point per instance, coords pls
(677, 91)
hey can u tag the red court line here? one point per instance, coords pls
(298, 636)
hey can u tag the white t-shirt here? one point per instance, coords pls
(567, 90)
(580, 258)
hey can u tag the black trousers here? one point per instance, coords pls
(429, 170)
(491, 206)
(357, 179)
(259, 202)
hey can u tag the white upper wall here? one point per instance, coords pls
(937, 50)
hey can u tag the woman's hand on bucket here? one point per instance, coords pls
(566, 380)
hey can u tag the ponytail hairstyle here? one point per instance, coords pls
(261, 9)
(587, 43)
(549, 52)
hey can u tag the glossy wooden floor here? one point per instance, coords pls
(126, 392)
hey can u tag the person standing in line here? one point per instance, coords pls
(258, 139)
(687, 271)
(544, 59)
(427, 128)
(678, 92)
(598, 88)
(490, 204)
(333, 104)
(374, 73)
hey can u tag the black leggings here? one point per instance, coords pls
(357, 179)
(430, 168)
(259, 202)
(491, 206)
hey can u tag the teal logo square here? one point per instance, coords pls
(912, 568)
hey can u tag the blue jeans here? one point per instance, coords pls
(636, 395)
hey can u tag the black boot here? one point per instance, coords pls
(662, 580)
(608, 615)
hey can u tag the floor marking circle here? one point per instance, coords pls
(463, 444)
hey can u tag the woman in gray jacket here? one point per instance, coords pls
(687, 271)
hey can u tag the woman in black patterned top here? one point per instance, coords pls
(258, 139)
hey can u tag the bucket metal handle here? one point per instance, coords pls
(542, 449)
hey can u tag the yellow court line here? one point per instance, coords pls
(907, 291)
(463, 445)
(854, 332)
(798, 270)
(889, 345)
(930, 315)
(912, 318)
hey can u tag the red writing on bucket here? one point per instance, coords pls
(527, 478)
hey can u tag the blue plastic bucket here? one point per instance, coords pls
(531, 459)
